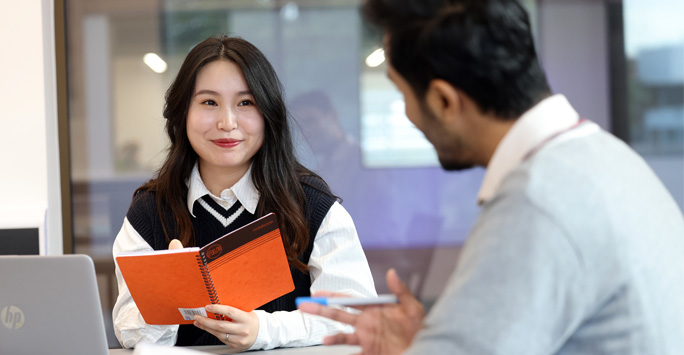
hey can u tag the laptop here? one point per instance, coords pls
(50, 305)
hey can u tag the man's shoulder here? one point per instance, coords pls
(590, 188)
(574, 167)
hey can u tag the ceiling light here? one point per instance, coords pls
(376, 58)
(155, 62)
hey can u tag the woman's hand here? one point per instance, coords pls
(175, 244)
(239, 332)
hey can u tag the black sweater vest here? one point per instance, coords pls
(143, 216)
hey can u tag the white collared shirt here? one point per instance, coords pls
(551, 119)
(243, 191)
(337, 263)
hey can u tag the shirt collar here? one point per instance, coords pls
(550, 116)
(243, 190)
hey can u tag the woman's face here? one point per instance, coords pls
(224, 125)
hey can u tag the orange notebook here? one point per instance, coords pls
(246, 268)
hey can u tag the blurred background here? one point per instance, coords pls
(621, 64)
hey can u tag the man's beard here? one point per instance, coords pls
(449, 164)
(455, 165)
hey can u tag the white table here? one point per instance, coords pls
(311, 350)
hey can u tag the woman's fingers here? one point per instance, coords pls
(231, 326)
(238, 331)
(213, 329)
(235, 314)
(175, 244)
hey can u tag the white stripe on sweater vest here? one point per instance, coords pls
(223, 220)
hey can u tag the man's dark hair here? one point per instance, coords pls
(483, 47)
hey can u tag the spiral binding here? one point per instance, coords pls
(208, 282)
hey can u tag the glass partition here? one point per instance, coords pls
(350, 123)
(348, 120)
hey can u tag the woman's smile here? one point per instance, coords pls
(227, 142)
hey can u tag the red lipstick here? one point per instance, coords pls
(226, 143)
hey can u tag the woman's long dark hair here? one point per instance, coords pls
(276, 173)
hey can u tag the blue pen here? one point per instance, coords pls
(348, 301)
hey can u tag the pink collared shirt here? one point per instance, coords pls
(549, 122)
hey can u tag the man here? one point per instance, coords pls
(578, 249)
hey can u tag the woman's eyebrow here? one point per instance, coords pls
(205, 91)
(212, 92)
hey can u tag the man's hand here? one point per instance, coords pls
(380, 329)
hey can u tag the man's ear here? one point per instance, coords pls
(443, 100)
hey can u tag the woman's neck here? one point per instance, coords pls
(217, 179)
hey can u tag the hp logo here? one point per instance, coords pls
(12, 317)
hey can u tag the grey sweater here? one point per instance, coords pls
(581, 251)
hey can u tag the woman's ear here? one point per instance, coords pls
(443, 100)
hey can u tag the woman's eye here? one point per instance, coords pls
(245, 103)
(209, 102)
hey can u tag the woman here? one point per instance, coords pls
(231, 160)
